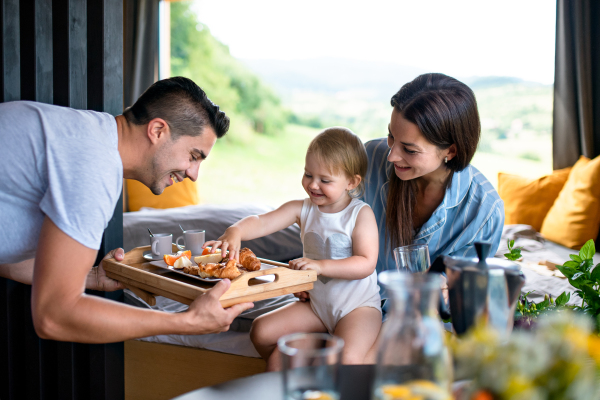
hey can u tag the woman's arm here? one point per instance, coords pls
(365, 247)
(490, 232)
(255, 226)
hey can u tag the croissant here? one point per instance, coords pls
(230, 271)
(192, 270)
(208, 270)
(249, 260)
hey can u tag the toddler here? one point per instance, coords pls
(340, 241)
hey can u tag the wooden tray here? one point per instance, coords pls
(147, 280)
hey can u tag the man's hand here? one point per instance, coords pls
(206, 315)
(97, 279)
(306, 263)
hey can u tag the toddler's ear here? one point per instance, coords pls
(354, 182)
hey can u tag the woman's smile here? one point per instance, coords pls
(401, 168)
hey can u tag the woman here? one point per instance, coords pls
(427, 192)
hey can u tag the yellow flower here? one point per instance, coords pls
(593, 348)
(517, 385)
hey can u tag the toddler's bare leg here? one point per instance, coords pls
(359, 330)
(371, 356)
(268, 328)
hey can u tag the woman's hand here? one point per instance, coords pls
(97, 279)
(306, 263)
(230, 240)
(444, 287)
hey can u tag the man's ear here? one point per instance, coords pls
(157, 129)
(354, 182)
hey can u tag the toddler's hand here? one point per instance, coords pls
(230, 240)
(306, 263)
(302, 296)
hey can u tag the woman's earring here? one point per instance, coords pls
(446, 160)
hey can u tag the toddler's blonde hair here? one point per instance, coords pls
(342, 152)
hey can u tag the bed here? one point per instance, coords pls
(180, 363)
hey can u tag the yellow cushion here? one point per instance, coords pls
(526, 200)
(574, 218)
(178, 195)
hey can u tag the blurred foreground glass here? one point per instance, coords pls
(412, 258)
(412, 358)
(311, 363)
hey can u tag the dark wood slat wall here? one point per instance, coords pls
(69, 53)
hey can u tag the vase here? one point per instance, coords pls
(413, 360)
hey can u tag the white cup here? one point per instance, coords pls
(162, 243)
(194, 239)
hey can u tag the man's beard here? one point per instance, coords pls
(156, 187)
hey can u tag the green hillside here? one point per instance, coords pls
(252, 106)
(276, 107)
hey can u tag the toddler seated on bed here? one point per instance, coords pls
(340, 241)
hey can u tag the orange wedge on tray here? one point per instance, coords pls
(171, 258)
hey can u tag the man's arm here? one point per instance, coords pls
(62, 311)
(96, 280)
(21, 272)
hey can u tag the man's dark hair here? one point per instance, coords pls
(182, 104)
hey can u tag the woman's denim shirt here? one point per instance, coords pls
(471, 211)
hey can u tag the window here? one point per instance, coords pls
(284, 70)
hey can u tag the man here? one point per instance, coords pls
(63, 171)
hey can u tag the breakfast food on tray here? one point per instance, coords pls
(182, 262)
(171, 258)
(230, 270)
(215, 266)
(249, 260)
(209, 258)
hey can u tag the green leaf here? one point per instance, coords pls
(562, 299)
(511, 243)
(575, 258)
(587, 264)
(588, 250)
(577, 275)
(566, 271)
(595, 275)
(571, 264)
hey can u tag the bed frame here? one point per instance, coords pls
(156, 371)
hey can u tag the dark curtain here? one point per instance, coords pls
(576, 129)
(140, 48)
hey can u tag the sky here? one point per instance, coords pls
(457, 37)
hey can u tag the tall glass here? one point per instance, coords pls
(311, 363)
(413, 258)
(412, 359)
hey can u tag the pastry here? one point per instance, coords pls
(209, 258)
(249, 260)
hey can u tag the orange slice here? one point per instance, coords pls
(171, 258)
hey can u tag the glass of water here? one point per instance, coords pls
(413, 258)
(311, 363)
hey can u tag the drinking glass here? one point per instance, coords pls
(311, 364)
(412, 358)
(413, 258)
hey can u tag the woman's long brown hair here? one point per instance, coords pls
(445, 111)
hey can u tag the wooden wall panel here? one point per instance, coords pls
(69, 53)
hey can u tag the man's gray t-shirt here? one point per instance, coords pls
(59, 162)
